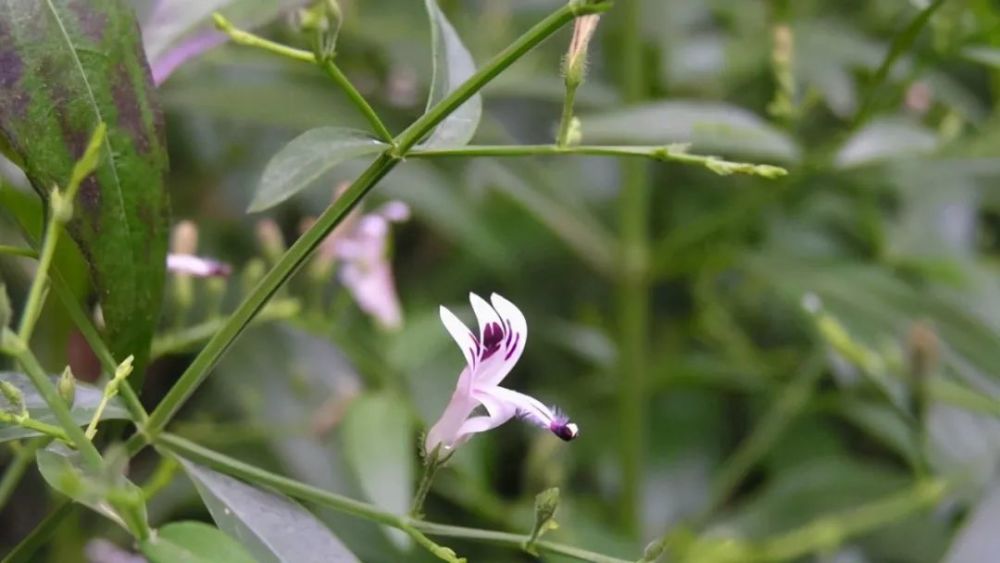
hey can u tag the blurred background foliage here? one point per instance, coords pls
(765, 417)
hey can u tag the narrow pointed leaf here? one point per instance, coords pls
(452, 65)
(62, 470)
(193, 542)
(379, 446)
(272, 527)
(84, 405)
(65, 67)
(305, 159)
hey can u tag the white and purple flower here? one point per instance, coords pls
(489, 357)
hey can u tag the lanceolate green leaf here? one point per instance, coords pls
(378, 443)
(309, 156)
(193, 542)
(452, 66)
(272, 527)
(65, 66)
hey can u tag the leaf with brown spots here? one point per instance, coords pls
(65, 66)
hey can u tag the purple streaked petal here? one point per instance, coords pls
(486, 316)
(465, 339)
(171, 59)
(528, 407)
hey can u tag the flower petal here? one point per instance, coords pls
(486, 316)
(515, 329)
(196, 266)
(498, 411)
(530, 408)
(446, 432)
(462, 335)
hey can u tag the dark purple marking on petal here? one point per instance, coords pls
(563, 428)
(513, 347)
(510, 332)
(92, 22)
(492, 337)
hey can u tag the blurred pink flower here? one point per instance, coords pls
(489, 357)
(362, 245)
(196, 266)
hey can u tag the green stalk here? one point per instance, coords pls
(18, 251)
(566, 121)
(667, 153)
(328, 66)
(633, 290)
(19, 350)
(296, 255)
(295, 489)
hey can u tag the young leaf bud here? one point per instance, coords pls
(14, 398)
(67, 386)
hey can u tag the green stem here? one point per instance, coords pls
(18, 349)
(100, 349)
(833, 531)
(566, 122)
(17, 466)
(431, 466)
(334, 72)
(187, 338)
(787, 406)
(328, 66)
(294, 257)
(18, 251)
(36, 295)
(36, 425)
(666, 153)
(633, 290)
(295, 489)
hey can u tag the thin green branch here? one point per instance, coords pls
(45, 428)
(784, 410)
(327, 65)
(293, 258)
(18, 251)
(566, 120)
(18, 349)
(633, 283)
(900, 43)
(86, 327)
(669, 153)
(295, 489)
(187, 338)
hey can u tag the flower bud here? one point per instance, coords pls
(184, 238)
(576, 57)
(322, 20)
(67, 386)
(14, 398)
(546, 504)
(924, 349)
(653, 550)
(62, 207)
(272, 242)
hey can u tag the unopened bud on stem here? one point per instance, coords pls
(14, 398)
(575, 65)
(546, 504)
(67, 386)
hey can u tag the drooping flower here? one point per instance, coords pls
(197, 266)
(183, 259)
(362, 247)
(489, 357)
